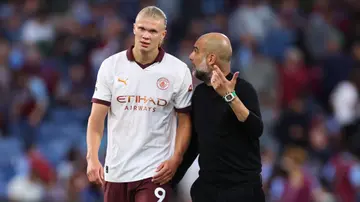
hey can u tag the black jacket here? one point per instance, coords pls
(229, 149)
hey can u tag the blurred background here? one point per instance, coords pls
(302, 56)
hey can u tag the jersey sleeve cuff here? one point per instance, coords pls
(183, 110)
(98, 101)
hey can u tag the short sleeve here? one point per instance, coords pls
(102, 93)
(182, 99)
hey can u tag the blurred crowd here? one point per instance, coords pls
(303, 58)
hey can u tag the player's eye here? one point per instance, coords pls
(141, 28)
(153, 31)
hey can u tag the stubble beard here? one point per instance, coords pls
(201, 74)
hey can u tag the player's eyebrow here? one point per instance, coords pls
(153, 30)
(150, 30)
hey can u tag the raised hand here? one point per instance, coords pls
(220, 83)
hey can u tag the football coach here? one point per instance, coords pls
(226, 128)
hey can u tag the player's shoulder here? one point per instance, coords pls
(108, 64)
(114, 58)
(175, 62)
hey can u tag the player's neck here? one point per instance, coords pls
(145, 57)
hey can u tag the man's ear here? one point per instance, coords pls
(134, 28)
(211, 59)
(164, 34)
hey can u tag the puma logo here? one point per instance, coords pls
(122, 81)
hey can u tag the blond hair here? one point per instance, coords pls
(153, 12)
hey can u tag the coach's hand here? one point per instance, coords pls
(166, 170)
(220, 83)
(95, 172)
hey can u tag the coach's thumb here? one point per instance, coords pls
(235, 76)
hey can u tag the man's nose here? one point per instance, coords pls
(191, 57)
(146, 35)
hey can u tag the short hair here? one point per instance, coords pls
(154, 12)
(296, 153)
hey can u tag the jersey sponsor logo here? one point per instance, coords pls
(124, 81)
(141, 103)
(163, 83)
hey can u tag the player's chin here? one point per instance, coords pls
(146, 47)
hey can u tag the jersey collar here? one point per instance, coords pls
(130, 57)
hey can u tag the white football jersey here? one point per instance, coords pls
(142, 122)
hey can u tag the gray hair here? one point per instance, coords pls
(154, 12)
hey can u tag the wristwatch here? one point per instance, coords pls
(230, 97)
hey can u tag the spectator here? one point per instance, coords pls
(294, 77)
(32, 186)
(5, 77)
(309, 95)
(26, 188)
(299, 185)
(356, 54)
(280, 37)
(335, 69)
(29, 106)
(320, 30)
(293, 124)
(109, 43)
(345, 100)
(262, 73)
(74, 93)
(342, 171)
(38, 29)
(245, 52)
(252, 17)
(319, 151)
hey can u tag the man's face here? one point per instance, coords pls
(201, 69)
(149, 33)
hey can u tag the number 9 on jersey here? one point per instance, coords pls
(160, 193)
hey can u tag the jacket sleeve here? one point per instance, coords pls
(247, 94)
